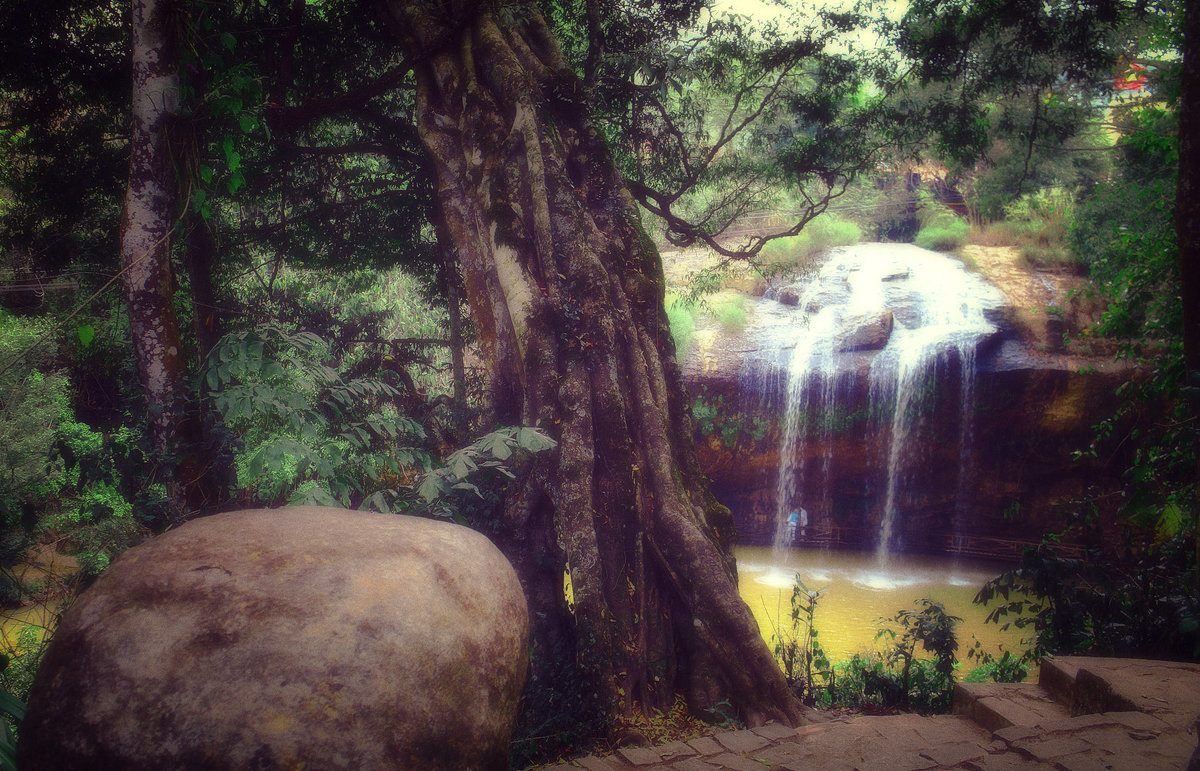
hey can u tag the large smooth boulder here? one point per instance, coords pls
(302, 637)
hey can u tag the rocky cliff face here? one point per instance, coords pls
(982, 486)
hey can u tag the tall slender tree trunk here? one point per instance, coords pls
(1187, 228)
(566, 292)
(146, 226)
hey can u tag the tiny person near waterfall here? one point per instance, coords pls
(797, 518)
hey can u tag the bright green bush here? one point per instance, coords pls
(683, 326)
(823, 233)
(56, 473)
(307, 432)
(730, 312)
(944, 237)
(355, 305)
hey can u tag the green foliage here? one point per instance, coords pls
(29, 412)
(1126, 234)
(940, 228)
(797, 647)
(1038, 223)
(308, 434)
(312, 435)
(930, 625)
(943, 238)
(683, 326)
(868, 682)
(1011, 97)
(23, 645)
(730, 312)
(799, 252)
(714, 418)
(63, 160)
(57, 473)
(1147, 608)
(495, 453)
(1005, 668)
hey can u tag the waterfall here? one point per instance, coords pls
(908, 317)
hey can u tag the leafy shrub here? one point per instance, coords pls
(1048, 207)
(799, 251)
(730, 312)
(1037, 223)
(1005, 668)
(930, 625)
(309, 434)
(797, 647)
(57, 473)
(712, 417)
(1147, 608)
(494, 453)
(944, 237)
(683, 326)
(32, 396)
(868, 682)
(357, 304)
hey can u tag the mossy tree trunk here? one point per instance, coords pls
(1187, 224)
(566, 292)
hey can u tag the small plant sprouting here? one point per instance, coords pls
(797, 647)
(930, 625)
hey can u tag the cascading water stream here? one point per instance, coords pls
(924, 315)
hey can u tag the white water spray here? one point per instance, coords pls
(937, 311)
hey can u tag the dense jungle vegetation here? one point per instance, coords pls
(307, 316)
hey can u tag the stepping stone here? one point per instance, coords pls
(953, 754)
(1000, 705)
(774, 731)
(741, 741)
(1049, 749)
(705, 745)
(641, 756)
(693, 764)
(1006, 761)
(1057, 676)
(907, 761)
(733, 762)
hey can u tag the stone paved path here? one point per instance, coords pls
(1085, 714)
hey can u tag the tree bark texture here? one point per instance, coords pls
(1187, 228)
(567, 292)
(146, 225)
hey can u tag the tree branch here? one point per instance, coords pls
(289, 119)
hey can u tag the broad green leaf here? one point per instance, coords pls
(87, 333)
(533, 440)
(461, 465)
(430, 488)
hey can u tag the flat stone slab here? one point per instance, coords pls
(950, 755)
(742, 741)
